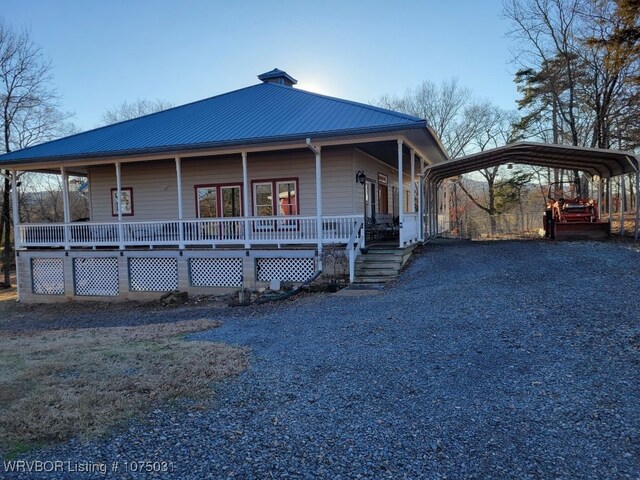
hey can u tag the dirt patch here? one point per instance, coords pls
(58, 384)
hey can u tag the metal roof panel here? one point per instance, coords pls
(260, 113)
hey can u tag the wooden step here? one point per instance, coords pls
(374, 257)
(380, 279)
(376, 264)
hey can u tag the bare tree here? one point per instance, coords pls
(29, 110)
(449, 109)
(463, 123)
(128, 111)
(577, 70)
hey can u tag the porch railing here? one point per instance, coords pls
(210, 231)
(410, 228)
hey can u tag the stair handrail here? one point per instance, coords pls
(356, 241)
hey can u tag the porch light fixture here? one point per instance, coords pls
(361, 178)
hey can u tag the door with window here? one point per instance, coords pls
(219, 201)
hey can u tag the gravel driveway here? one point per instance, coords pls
(485, 360)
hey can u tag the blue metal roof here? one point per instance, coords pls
(261, 113)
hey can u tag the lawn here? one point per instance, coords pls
(57, 384)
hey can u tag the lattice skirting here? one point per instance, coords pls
(153, 274)
(216, 272)
(285, 269)
(47, 276)
(96, 276)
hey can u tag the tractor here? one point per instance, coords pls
(572, 218)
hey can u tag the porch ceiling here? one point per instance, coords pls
(604, 163)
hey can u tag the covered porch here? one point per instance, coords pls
(238, 216)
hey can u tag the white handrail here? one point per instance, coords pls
(275, 230)
(355, 242)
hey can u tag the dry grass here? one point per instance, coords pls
(64, 383)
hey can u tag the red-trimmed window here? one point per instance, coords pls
(276, 197)
(214, 201)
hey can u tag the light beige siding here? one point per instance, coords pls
(155, 191)
(372, 167)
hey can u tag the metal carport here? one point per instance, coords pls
(596, 162)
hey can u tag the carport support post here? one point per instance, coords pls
(245, 199)
(180, 211)
(420, 201)
(119, 206)
(609, 199)
(400, 194)
(599, 198)
(412, 191)
(623, 198)
(635, 234)
(429, 194)
(65, 205)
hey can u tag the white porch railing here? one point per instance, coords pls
(209, 231)
(410, 228)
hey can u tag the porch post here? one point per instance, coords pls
(65, 206)
(180, 211)
(609, 199)
(412, 187)
(318, 153)
(16, 211)
(245, 200)
(400, 193)
(119, 206)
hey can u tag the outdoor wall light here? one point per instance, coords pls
(361, 178)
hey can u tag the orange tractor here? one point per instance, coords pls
(573, 218)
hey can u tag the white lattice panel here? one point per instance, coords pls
(47, 276)
(153, 274)
(216, 272)
(96, 276)
(285, 269)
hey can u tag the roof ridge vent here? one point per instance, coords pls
(279, 77)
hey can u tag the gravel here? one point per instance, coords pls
(484, 360)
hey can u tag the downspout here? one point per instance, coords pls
(316, 151)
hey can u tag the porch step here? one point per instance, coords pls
(380, 264)
(379, 257)
(373, 279)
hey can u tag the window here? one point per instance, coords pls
(263, 199)
(126, 201)
(276, 198)
(213, 201)
(287, 198)
(230, 197)
(207, 202)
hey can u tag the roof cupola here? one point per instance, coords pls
(279, 77)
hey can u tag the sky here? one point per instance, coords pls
(108, 52)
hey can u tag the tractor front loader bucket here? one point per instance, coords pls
(582, 230)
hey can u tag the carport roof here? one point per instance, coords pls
(595, 161)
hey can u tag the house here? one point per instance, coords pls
(230, 191)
